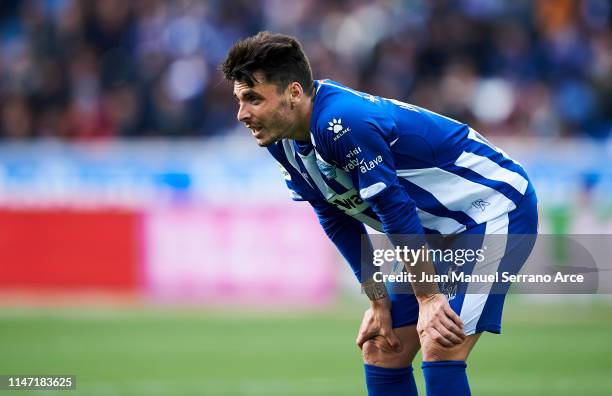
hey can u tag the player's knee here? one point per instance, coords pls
(434, 350)
(377, 352)
(371, 353)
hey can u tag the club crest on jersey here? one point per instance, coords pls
(328, 170)
(335, 125)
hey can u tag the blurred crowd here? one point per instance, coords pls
(79, 69)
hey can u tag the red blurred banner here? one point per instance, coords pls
(69, 249)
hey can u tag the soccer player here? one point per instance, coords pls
(401, 169)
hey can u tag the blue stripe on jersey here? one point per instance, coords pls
(501, 187)
(317, 176)
(498, 157)
(297, 184)
(334, 185)
(426, 201)
(478, 201)
(305, 150)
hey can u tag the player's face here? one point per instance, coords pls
(265, 111)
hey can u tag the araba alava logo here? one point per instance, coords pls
(335, 125)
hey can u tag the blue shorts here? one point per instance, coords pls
(483, 311)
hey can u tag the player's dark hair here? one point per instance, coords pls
(278, 57)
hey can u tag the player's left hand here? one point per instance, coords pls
(438, 322)
(377, 322)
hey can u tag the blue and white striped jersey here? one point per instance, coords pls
(397, 167)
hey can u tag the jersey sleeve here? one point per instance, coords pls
(360, 144)
(345, 232)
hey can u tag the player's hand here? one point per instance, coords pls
(438, 321)
(377, 322)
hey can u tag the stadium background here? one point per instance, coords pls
(149, 247)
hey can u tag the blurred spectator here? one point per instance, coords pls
(80, 69)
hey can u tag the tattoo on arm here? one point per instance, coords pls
(374, 290)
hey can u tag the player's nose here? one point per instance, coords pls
(243, 114)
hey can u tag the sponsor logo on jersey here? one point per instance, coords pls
(353, 152)
(350, 202)
(335, 125)
(366, 166)
(352, 164)
(361, 164)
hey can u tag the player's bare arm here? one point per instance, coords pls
(377, 319)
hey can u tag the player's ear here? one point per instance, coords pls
(295, 92)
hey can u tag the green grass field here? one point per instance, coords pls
(546, 349)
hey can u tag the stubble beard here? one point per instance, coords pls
(284, 125)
